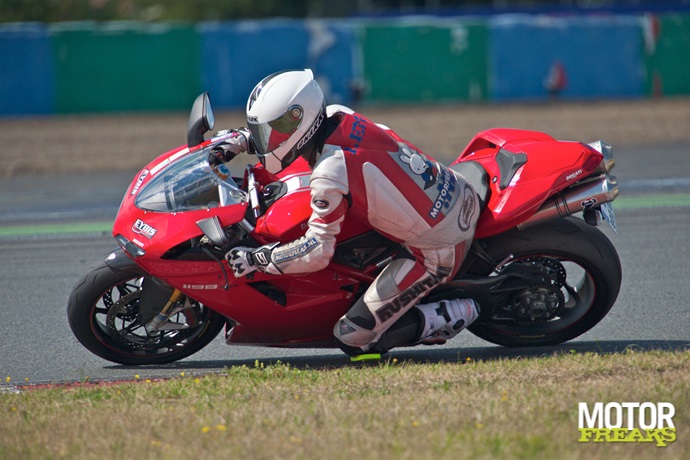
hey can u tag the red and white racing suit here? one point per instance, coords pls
(369, 172)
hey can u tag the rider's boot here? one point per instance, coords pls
(445, 319)
(427, 324)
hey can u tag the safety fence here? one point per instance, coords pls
(90, 67)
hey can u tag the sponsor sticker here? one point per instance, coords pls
(140, 180)
(346, 328)
(296, 251)
(321, 204)
(309, 134)
(143, 228)
(359, 128)
(467, 210)
(588, 203)
(574, 175)
(446, 192)
(261, 258)
(389, 310)
(200, 286)
(419, 166)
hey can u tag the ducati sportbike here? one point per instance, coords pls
(539, 267)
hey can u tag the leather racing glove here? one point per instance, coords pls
(231, 147)
(243, 260)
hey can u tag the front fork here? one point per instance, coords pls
(160, 321)
(118, 260)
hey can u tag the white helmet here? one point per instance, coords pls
(285, 112)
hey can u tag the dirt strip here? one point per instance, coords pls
(103, 143)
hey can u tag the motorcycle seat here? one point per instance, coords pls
(475, 174)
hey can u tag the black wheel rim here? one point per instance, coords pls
(115, 323)
(579, 293)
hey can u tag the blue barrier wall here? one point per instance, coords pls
(236, 56)
(333, 54)
(594, 57)
(27, 77)
(522, 57)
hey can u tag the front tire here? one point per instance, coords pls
(592, 281)
(103, 314)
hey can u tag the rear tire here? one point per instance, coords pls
(103, 314)
(593, 279)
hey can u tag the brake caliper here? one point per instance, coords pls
(544, 300)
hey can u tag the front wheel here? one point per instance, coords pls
(585, 274)
(103, 313)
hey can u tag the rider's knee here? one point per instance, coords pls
(386, 285)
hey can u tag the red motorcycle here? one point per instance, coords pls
(541, 276)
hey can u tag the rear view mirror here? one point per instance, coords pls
(200, 120)
(213, 231)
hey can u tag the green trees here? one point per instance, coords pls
(159, 10)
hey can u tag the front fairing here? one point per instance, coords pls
(157, 221)
(167, 198)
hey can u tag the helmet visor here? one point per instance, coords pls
(270, 135)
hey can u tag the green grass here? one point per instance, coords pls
(506, 408)
(657, 200)
(56, 229)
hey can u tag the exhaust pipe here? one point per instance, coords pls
(581, 197)
(608, 162)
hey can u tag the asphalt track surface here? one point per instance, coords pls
(53, 228)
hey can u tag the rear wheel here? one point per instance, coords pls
(584, 278)
(103, 313)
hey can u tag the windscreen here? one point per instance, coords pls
(189, 184)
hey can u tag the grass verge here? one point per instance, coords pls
(507, 408)
(104, 227)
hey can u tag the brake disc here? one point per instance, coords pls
(125, 309)
(554, 267)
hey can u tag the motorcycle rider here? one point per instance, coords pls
(367, 171)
